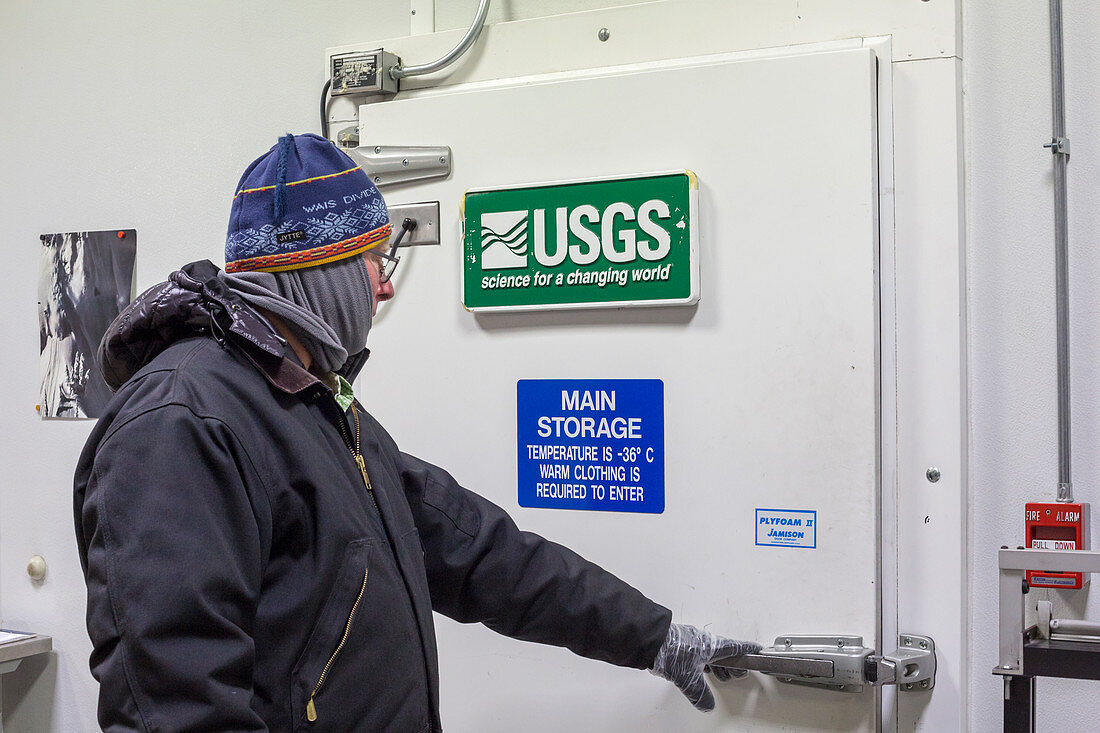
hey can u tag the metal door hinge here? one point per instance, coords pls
(842, 663)
(391, 164)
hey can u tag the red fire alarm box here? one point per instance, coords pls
(1056, 526)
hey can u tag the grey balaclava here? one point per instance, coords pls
(328, 306)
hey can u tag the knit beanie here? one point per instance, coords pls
(303, 203)
(302, 214)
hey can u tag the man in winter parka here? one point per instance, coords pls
(259, 554)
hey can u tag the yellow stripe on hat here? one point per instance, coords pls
(295, 183)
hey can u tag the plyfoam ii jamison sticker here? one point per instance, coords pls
(786, 528)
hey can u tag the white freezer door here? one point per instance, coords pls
(771, 395)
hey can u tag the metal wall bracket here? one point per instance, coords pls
(842, 663)
(392, 164)
(1012, 634)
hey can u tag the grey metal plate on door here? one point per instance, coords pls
(426, 215)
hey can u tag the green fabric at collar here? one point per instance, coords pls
(341, 390)
(344, 395)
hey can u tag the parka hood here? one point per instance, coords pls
(193, 301)
(196, 301)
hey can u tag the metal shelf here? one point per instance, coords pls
(1076, 660)
(13, 653)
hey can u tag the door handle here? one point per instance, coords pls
(842, 663)
(780, 665)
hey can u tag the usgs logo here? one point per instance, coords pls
(624, 235)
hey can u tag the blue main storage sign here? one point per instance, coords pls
(596, 444)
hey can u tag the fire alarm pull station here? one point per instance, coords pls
(1056, 526)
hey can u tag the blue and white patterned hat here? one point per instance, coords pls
(303, 203)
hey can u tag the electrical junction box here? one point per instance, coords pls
(1056, 526)
(363, 72)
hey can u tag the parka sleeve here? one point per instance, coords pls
(172, 543)
(482, 567)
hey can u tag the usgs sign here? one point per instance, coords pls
(608, 242)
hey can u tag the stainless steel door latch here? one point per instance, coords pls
(842, 663)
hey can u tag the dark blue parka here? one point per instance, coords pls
(246, 572)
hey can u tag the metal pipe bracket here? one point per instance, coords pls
(1058, 146)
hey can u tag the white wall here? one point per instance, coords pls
(1011, 307)
(122, 114)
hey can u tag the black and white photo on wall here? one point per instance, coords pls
(85, 279)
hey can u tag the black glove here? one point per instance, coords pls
(685, 656)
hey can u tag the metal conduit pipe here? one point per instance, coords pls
(400, 72)
(1059, 147)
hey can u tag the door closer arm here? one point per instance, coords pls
(842, 663)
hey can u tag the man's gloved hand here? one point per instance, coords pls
(685, 656)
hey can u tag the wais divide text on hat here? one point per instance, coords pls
(303, 203)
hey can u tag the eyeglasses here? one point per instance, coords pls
(388, 261)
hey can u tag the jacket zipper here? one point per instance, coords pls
(311, 708)
(354, 448)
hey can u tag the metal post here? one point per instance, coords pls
(1059, 147)
(1010, 637)
(1019, 715)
